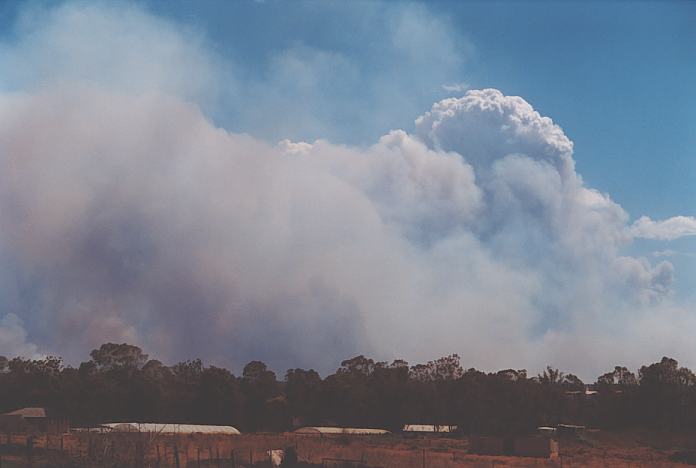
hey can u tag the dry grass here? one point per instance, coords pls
(144, 450)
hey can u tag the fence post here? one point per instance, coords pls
(139, 453)
(198, 457)
(234, 459)
(30, 448)
(176, 456)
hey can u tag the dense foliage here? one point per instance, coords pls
(120, 383)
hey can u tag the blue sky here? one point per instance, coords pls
(481, 232)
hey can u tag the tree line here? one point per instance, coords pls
(121, 383)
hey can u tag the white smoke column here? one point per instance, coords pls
(13, 339)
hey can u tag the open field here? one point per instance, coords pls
(151, 450)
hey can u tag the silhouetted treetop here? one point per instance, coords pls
(114, 356)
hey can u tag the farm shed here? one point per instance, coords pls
(32, 421)
(490, 445)
(428, 428)
(569, 429)
(581, 393)
(541, 447)
(171, 428)
(339, 431)
(546, 431)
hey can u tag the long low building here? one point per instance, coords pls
(428, 428)
(318, 430)
(160, 428)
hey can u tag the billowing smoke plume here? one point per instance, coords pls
(126, 215)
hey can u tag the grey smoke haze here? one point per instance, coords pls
(127, 215)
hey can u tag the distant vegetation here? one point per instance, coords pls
(120, 383)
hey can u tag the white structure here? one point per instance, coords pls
(428, 428)
(276, 456)
(171, 428)
(339, 431)
(576, 393)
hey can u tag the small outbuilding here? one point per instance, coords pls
(540, 447)
(32, 421)
(523, 446)
(490, 445)
(546, 431)
(321, 431)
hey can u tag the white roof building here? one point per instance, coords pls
(428, 428)
(160, 428)
(339, 431)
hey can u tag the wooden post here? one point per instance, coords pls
(198, 457)
(158, 457)
(251, 456)
(423, 458)
(30, 448)
(234, 459)
(176, 456)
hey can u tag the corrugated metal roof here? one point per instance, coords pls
(428, 428)
(171, 428)
(340, 430)
(29, 413)
(570, 426)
